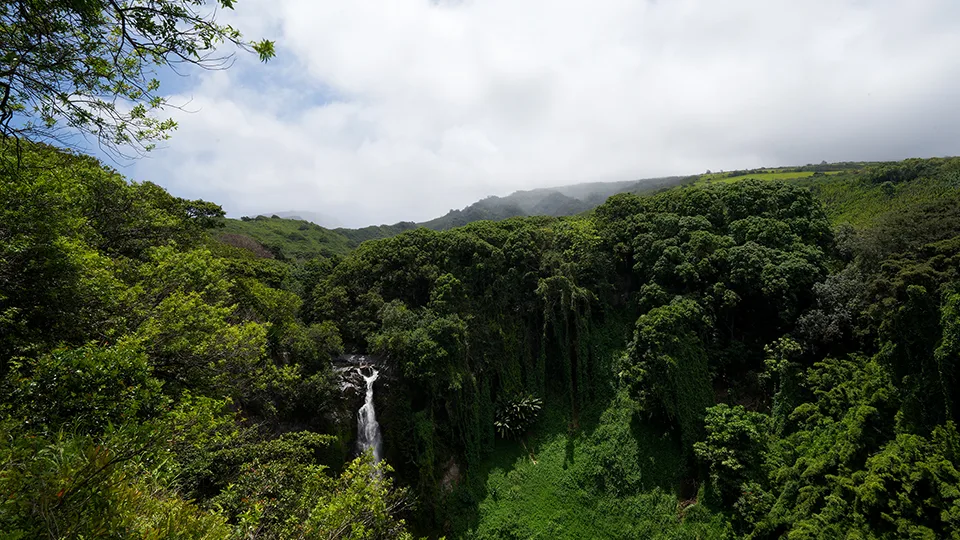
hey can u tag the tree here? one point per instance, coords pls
(666, 369)
(362, 503)
(90, 66)
(733, 447)
(120, 485)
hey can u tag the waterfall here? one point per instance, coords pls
(368, 430)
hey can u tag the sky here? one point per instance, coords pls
(377, 111)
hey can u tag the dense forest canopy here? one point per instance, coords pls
(740, 356)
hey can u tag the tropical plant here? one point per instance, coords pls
(517, 414)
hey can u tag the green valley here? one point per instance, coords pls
(756, 353)
(752, 358)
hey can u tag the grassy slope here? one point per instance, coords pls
(615, 478)
(295, 239)
(769, 174)
(851, 199)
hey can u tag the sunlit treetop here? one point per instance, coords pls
(89, 66)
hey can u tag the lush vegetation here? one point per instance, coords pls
(157, 383)
(744, 358)
(770, 346)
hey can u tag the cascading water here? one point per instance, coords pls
(368, 430)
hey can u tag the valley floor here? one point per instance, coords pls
(615, 477)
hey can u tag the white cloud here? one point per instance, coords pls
(386, 110)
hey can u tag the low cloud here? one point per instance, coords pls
(384, 110)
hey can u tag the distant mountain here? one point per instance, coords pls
(358, 236)
(299, 235)
(557, 201)
(558, 204)
(323, 220)
(491, 208)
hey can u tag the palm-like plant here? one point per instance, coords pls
(516, 415)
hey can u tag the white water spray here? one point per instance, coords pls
(368, 430)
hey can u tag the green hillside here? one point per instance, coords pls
(722, 359)
(861, 196)
(856, 193)
(285, 238)
(766, 174)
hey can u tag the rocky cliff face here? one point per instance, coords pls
(348, 368)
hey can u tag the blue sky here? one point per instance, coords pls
(377, 111)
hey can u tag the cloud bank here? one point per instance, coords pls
(378, 111)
